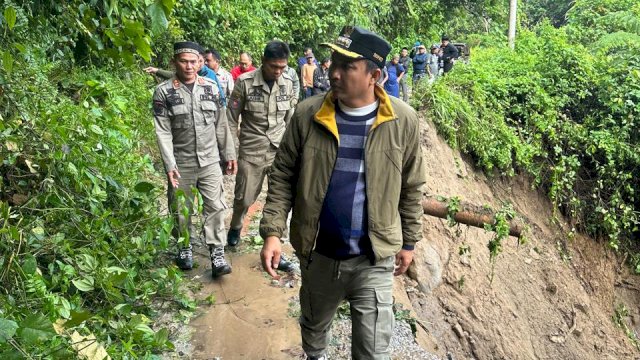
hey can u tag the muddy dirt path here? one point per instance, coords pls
(250, 316)
(249, 319)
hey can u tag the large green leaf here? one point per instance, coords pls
(10, 17)
(29, 265)
(77, 317)
(84, 284)
(144, 187)
(35, 329)
(7, 329)
(7, 61)
(158, 17)
(142, 47)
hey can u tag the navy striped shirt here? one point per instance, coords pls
(343, 231)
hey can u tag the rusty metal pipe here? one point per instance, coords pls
(439, 209)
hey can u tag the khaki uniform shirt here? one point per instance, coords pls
(191, 126)
(296, 84)
(265, 112)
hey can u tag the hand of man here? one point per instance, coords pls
(174, 175)
(232, 167)
(403, 260)
(151, 70)
(270, 255)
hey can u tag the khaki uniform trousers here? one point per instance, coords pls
(369, 290)
(208, 181)
(249, 179)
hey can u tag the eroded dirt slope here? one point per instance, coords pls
(551, 298)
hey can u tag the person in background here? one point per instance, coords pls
(405, 61)
(395, 74)
(296, 85)
(384, 76)
(303, 59)
(194, 140)
(419, 60)
(350, 169)
(307, 76)
(449, 54)
(245, 66)
(212, 59)
(321, 77)
(433, 63)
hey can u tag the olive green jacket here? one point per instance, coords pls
(394, 171)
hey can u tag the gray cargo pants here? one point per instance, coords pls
(251, 173)
(208, 181)
(369, 290)
(404, 88)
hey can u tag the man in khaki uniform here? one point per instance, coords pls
(264, 98)
(194, 138)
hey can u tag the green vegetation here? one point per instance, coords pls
(562, 107)
(85, 253)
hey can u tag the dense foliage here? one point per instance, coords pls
(81, 236)
(82, 242)
(83, 246)
(561, 110)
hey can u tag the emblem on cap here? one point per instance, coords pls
(343, 41)
(378, 57)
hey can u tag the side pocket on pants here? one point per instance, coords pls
(384, 320)
(306, 311)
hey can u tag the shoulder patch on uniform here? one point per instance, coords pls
(159, 108)
(200, 81)
(176, 84)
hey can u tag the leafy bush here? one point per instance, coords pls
(561, 112)
(81, 236)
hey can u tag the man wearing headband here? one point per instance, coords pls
(194, 139)
(350, 168)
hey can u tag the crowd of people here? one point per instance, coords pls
(344, 166)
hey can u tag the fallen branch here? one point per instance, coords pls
(465, 216)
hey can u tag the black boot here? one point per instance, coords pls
(184, 260)
(284, 264)
(233, 237)
(219, 265)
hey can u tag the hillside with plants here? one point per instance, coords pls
(85, 247)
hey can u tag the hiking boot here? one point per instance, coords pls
(219, 265)
(233, 237)
(284, 264)
(184, 260)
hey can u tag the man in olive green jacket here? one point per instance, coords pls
(351, 168)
